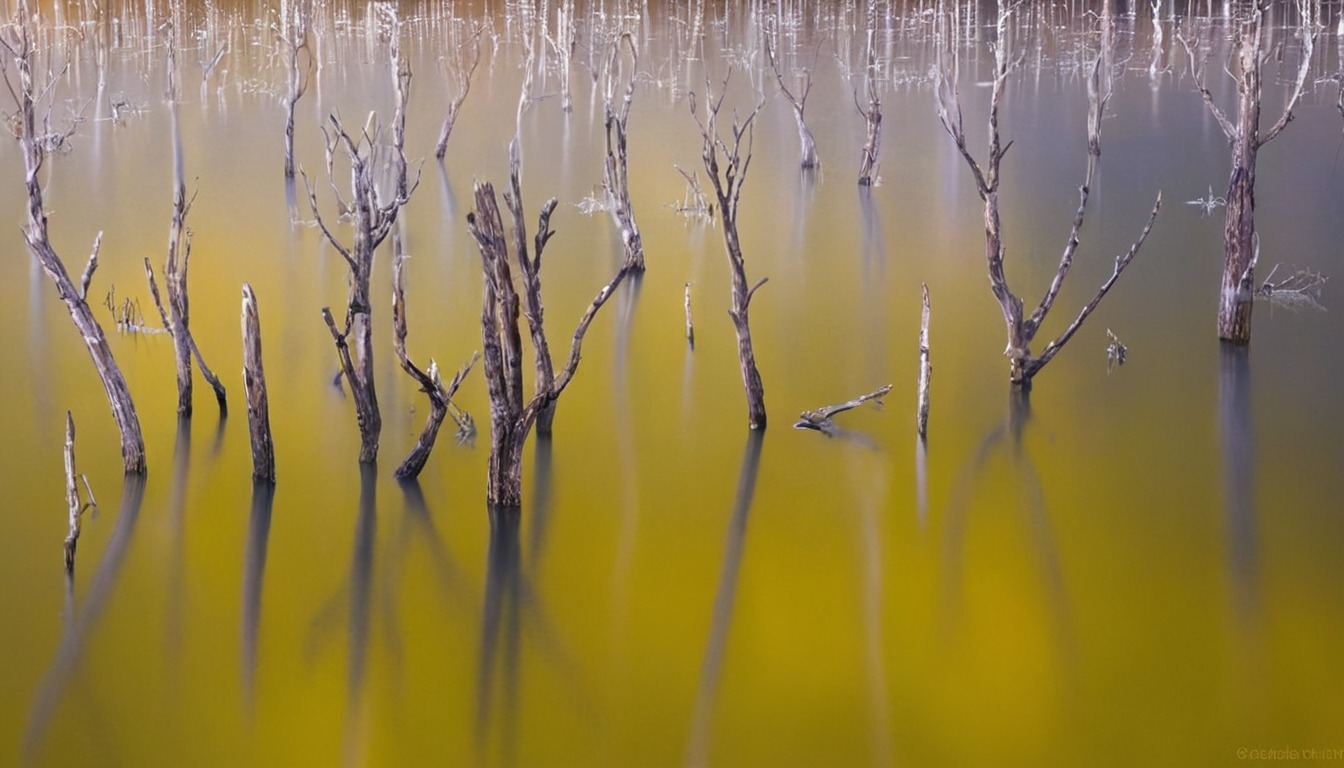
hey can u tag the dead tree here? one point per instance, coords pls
(33, 144)
(177, 315)
(512, 417)
(616, 177)
(254, 382)
(75, 505)
(823, 419)
(1237, 293)
(925, 368)
(807, 144)
(872, 119)
(372, 214)
(298, 67)
(727, 165)
(1021, 328)
(463, 82)
(440, 396)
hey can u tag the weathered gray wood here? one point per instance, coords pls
(74, 504)
(371, 218)
(1236, 296)
(511, 419)
(298, 68)
(872, 120)
(727, 180)
(18, 48)
(463, 82)
(616, 177)
(925, 367)
(690, 327)
(1020, 328)
(807, 145)
(254, 384)
(440, 396)
(822, 419)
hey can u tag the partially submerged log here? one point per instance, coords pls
(440, 396)
(727, 179)
(822, 419)
(254, 382)
(19, 51)
(512, 418)
(74, 503)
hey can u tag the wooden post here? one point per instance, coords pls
(254, 382)
(690, 327)
(925, 367)
(18, 47)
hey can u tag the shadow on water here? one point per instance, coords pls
(177, 509)
(543, 482)
(361, 589)
(79, 624)
(1236, 438)
(711, 669)
(449, 576)
(254, 569)
(874, 242)
(628, 535)
(1028, 483)
(449, 199)
(500, 632)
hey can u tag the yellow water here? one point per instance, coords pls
(1082, 585)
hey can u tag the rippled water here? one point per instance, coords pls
(1133, 567)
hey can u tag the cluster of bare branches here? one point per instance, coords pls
(372, 214)
(460, 73)
(299, 69)
(806, 143)
(1300, 290)
(1021, 328)
(1237, 294)
(726, 164)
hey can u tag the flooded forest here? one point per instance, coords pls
(628, 382)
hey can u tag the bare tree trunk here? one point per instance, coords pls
(872, 118)
(1237, 291)
(299, 64)
(807, 145)
(1020, 328)
(727, 181)
(74, 504)
(510, 418)
(254, 382)
(177, 316)
(372, 219)
(18, 49)
(463, 87)
(615, 170)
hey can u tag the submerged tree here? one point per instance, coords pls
(35, 140)
(511, 416)
(616, 176)
(807, 145)
(372, 212)
(176, 316)
(726, 164)
(298, 67)
(1237, 294)
(1021, 328)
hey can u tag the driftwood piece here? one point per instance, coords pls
(822, 419)
(726, 165)
(512, 419)
(75, 505)
(1021, 329)
(1236, 296)
(925, 367)
(254, 382)
(440, 396)
(616, 176)
(19, 51)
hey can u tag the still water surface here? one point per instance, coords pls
(1135, 567)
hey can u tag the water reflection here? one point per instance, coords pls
(361, 590)
(449, 575)
(1037, 519)
(78, 625)
(1236, 439)
(254, 569)
(177, 503)
(711, 669)
(500, 634)
(874, 243)
(627, 465)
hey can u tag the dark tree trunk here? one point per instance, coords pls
(254, 382)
